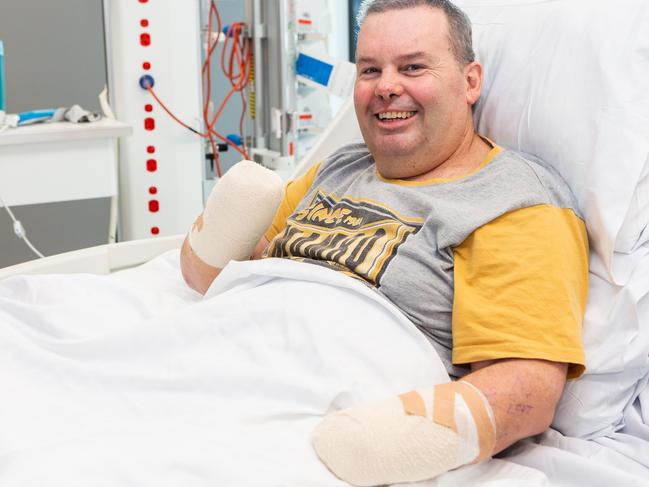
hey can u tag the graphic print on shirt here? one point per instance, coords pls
(356, 236)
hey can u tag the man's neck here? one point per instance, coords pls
(466, 159)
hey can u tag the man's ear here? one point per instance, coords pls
(473, 77)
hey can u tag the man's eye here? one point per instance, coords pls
(369, 71)
(413, 67)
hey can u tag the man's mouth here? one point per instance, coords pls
(394, 115)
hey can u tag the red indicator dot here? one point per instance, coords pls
(154, 206)
(153, 190)
(149, 123)
(150, 149)
(148, 107)
(145, 39)
(151, 165)
(155, 230)
(144, 23)
(290, 149)
(144, 1)
(146, 65)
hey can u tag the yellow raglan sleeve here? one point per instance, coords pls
(521, 284)
(294, 191)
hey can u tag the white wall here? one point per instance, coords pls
(54, 53)
(339, 40)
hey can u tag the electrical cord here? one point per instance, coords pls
(207, 71)
(240, 57)
(238, 72)
(241, 52)
(242, 131)
(176, 119)
(19, 230)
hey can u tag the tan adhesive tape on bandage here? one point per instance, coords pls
(444, 413)
(444, 405)
(479, 408)
(413, 403)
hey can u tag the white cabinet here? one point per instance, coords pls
(63, 161)
(58, 162)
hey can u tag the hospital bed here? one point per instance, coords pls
(113, 372)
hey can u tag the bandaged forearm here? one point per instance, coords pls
(239, 210)
(408, 438)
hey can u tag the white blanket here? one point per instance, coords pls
(132, 379)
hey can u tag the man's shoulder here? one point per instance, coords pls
(524, 159)
(548, 175)
(522, 176)
(357, 150)
(345, 161)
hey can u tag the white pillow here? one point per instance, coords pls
(568, 81)
(635, 231)
(616, 340)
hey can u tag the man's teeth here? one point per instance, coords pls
(392, 115)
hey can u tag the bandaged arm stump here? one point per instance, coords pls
(238, 211)
(415, 436)
(423, 433)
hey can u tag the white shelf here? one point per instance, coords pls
(64, 131)
(63, 161)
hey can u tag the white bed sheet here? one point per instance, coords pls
(132, 379)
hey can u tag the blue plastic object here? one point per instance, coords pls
(314, 69)
(35, 116)
(235, 139)
(2, 76)
(147, 81)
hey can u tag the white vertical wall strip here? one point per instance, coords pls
(160, 191)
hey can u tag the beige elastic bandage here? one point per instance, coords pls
(444, 411)
(239, 210)
(408, 438)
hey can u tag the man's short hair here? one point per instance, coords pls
(458, 21)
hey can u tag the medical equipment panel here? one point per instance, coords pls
(294, 74)
(156, 43)
(324, 76)
(274, 45)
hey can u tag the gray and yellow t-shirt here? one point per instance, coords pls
(491, 265)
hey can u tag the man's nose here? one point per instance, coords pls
(388, 87)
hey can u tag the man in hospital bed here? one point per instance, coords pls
(481, 247)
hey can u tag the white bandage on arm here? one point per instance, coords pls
(412, 437)
(238, 211)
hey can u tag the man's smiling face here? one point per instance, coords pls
(410, 94)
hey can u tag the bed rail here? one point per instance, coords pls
(102, 259)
